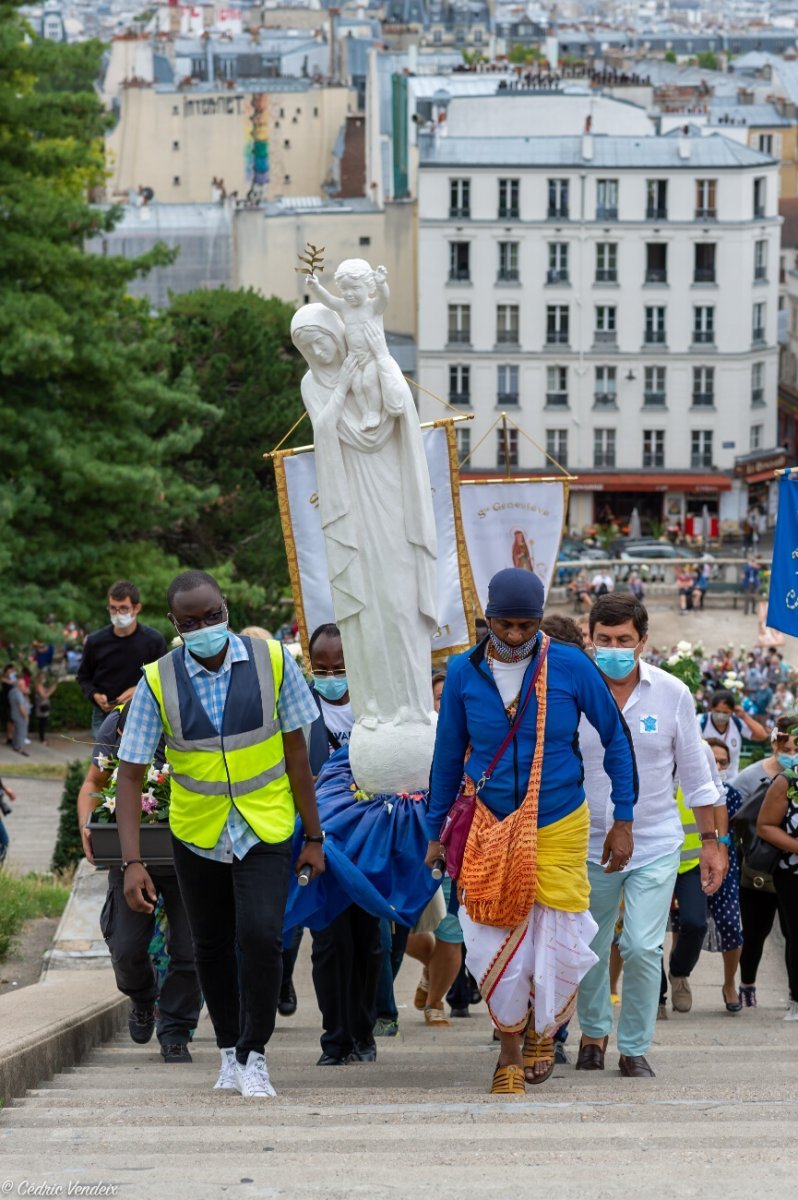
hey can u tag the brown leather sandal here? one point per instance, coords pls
(508, 1081)
(537, 1050)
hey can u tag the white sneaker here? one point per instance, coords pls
(792, 1012)
(228, 1077)
(253, 1078)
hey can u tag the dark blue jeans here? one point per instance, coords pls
(393, 939)
(238, 904)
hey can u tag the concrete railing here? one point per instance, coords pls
(653, 570)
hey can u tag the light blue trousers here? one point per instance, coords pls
(646, 893)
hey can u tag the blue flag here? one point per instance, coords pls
(783, 602)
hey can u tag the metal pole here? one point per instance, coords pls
(506, 441)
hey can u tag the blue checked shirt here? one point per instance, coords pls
(296, 709)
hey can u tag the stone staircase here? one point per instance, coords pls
(719, 1121)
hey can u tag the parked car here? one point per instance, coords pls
(572, 550)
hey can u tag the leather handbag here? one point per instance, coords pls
(459, 819)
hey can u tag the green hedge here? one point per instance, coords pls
(68, 847)
(69, 708)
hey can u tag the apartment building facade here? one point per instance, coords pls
(617, 298)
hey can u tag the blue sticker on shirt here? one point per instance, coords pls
(648, 724)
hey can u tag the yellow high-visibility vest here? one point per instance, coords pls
(241, 765)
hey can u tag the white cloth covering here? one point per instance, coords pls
(545, 970)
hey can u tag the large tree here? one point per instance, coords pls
(95, 421)
(237, 347)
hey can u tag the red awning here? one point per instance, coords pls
(646, 481)
(759, 477)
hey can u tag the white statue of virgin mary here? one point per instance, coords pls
(379, 530)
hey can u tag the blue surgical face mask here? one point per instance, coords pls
(331, 687)
(788, 761)
(207, 642)
(616, 662)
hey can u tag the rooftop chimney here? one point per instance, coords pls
(685, 149)
(587, 140)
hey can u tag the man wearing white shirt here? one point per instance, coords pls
(659, 711)
(602, 583)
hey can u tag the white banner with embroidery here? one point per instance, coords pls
(512, 523)
(307, 560)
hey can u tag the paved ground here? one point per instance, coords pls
(33, 824)
(718, 1122)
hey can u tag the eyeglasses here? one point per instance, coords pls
(190, 624)
(119, 612)
(341, 674)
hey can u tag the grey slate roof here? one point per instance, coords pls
(658, 153)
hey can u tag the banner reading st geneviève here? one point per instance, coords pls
(512, 523)
(307, 560)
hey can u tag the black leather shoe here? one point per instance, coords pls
(634, 1066)
(286, 1005)
(175, 1052)
(331, 1060)
(141, 1023)
(591, 1057)
(363, 1052)
(459, 1012)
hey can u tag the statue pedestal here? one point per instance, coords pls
(392, 758)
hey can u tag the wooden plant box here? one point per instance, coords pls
(156, 844)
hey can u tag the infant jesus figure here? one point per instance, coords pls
(364, 298)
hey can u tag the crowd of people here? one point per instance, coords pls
(605, 802)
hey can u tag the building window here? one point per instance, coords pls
(705, 199)
(656, 262)
(459, 324)
(605, 392)
(459, 197)
(175, 145)
(704, 324)
(557, 325)
(459, 262)
(760, 196)
(755, 442)
(507, 384)
(175, 181)
(557, 445)
(175, 111)
(558, 199)
(287, 144)
(757, 385)
(506, 448)
(603, 447)
(558, 263)
(364, 241)
(605, 333)
(556, 387)
(653, 447)
(199, 67)
(704, 265)
(760, 260)
(654, 387)
(765, 143)
(655, 325)
(701, 448)
(606, 199)
(459, 384)
(606, 262)
(509, 209)
(703, 387)
(507, 324)
(463, 434)
(758, 323)
(656, 199)
(508, 262)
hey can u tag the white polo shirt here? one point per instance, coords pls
(661, 719)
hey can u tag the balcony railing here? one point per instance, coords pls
(607, 275)
(656, 275)
(656, 212)
(761, 274)
(759, 333)
(556, 399)
(507, 337)
(556, 337)
(704, 275)
(557, 212)
(703, 399)
(605, 399)
(703, 337)
(759, 212)
(605, 337)
(607, 212)
(604, 458)
(706, 214)
(654, 399)
(557, 276)
(509, 212)
(507, 399)
(508, 275)
(459, 213)
(653, 460)
(654, 337)
(700, 460)
(757, 397)
(459, 337)
(460, 275)
(459, 397)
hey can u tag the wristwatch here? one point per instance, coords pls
(708, 837)
(315, 837)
